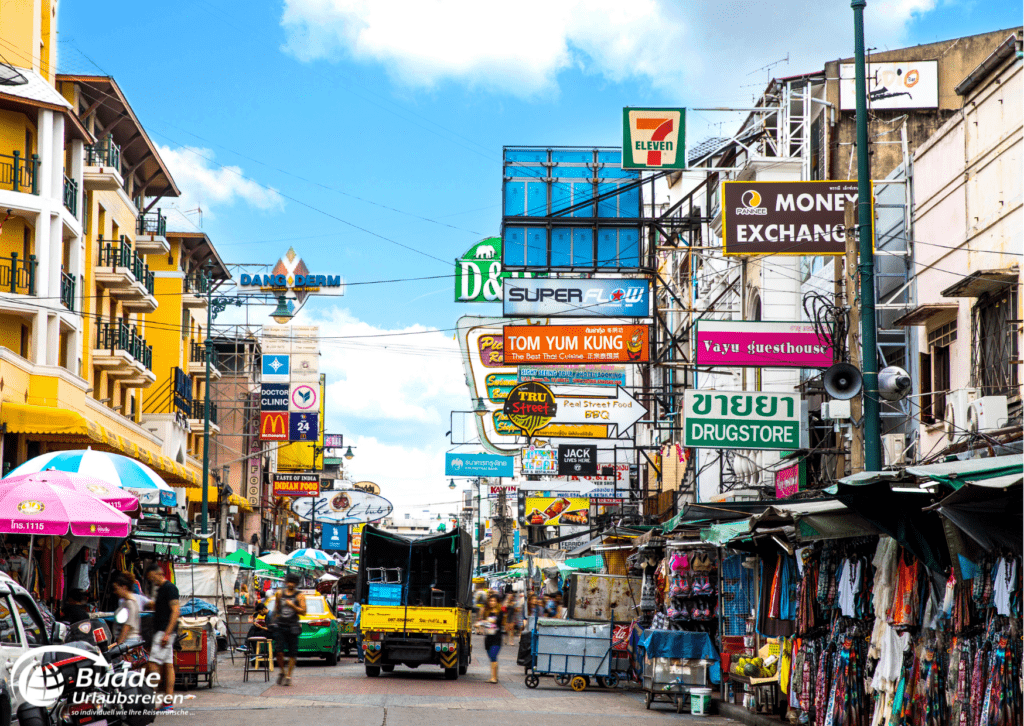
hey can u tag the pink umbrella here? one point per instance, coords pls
(119, 499)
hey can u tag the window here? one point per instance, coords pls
(31, 621)
(8, 628)
(995, 343)
(935, 372)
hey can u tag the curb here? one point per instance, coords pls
(739, 713)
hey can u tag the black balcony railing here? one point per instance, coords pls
(196, 284)
(121, 336)
(67, 290)
(155, 224)
(18, 173)
(104, 153)
(182, 391)
(199, 412)
(122, 255)
(197, 354)
(71, 195)
(18, 275)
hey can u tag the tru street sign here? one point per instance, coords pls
(741, 420)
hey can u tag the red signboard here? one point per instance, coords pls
(790, 480)
(274, 425)
(569, 344)
(296, 485)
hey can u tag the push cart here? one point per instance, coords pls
(676, 662)
(573, 651)
(195, 657)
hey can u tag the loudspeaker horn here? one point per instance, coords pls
(894, 383)
(842, 381)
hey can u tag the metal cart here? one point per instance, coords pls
(671, 679)
(195, 659)
(573, 651)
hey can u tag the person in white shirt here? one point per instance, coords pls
(124, 589)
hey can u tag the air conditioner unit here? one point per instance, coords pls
(893, 447)
(987, 413)
(955, 416)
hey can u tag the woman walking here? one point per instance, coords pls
(289, 604)
(493, 619)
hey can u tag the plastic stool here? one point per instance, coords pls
(259, 658)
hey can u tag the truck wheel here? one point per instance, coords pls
(451, 674)
(463, 667)
(372, 671)
(332, 657)
(29, 716)
(388, 667)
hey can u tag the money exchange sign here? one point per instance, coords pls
(741, 420)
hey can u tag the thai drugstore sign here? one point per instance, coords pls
(576, 344)
(761, 345)
(653, 138)
(786, 218)
(477, 465)
(742, 420)
(605, 298)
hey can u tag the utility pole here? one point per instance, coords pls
(872, 420)
(204, 542)
(856, 432)
(479, 531)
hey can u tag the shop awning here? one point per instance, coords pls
(62, 426)
(926, 312)
(978, 283)
(595, 563)
(996, 471)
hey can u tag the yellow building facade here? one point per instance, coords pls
(102, 309)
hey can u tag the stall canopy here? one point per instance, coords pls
(997, 471)
(798, 521)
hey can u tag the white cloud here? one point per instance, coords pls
(693, 50)
(207, 185)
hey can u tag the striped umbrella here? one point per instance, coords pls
(114, 469)
(318, 556)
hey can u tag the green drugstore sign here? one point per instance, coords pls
(478, 273)
(741, 420)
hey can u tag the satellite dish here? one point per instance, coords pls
(842, 381)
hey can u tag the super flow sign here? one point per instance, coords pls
(740, 420)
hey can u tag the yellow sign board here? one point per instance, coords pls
(416, 619)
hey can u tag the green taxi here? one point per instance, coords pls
(321, 632)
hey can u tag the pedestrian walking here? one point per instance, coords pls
(289, 604)
(124, 589)
(166, 610)
(493, 619)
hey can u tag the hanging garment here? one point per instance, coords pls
(1003, 584)
(904, 609)
(849, 586)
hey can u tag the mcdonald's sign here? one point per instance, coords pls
(274, 425)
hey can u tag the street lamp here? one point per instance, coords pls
(451, 483)
(348, 454)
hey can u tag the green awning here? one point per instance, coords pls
(998, 471)
(595, 563)
(720, 534)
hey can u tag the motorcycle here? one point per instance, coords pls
(104, 686)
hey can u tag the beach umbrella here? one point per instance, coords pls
(318, 556)
(303, 563)
(119, 499)
(274, 559)
(114, 469)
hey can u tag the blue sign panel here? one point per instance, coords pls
(569, 208)
(276, 367)
(612, 298)
(477, 465)
(273, 397)
(303, 427)
(334, 537)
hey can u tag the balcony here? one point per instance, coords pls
(126, 275)
(103, 166)
(71, 196)
(197, 418)
(123, 354)
(18, 275)
(67, 290)
(197, 361)
(151, 233)
(194, 289)
(18, 173)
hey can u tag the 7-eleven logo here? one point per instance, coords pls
(652, 138)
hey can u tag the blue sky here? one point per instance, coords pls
(298, 121)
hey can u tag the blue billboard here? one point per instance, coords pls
(334, 536)
(477, 465)
(596, 298)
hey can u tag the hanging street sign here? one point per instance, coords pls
(291, 276)
(790, 480)
(786, 217)
(742, 420)
(347, 506)
(617, 297)
(583, 375)
(456, 464)
(273, 425)
(303, 426)
(620, 411)
(577, 460)
(530, 406)
(273, 397)
(478, 273)
(276, 368)
(576, 344)
(761, 344)
(654, 138)
(553, 511)
(539, 460)
(304, 397)
(296, 485)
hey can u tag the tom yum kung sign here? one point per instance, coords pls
(762, 345)
(786, 218)
(576, 344)
(741, 420)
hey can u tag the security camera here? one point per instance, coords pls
(893, 383)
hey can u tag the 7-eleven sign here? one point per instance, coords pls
(653, 138)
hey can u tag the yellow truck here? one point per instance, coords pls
(415, 597)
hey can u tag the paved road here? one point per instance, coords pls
(343, 695)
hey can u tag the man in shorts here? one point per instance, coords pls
(166, 610)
